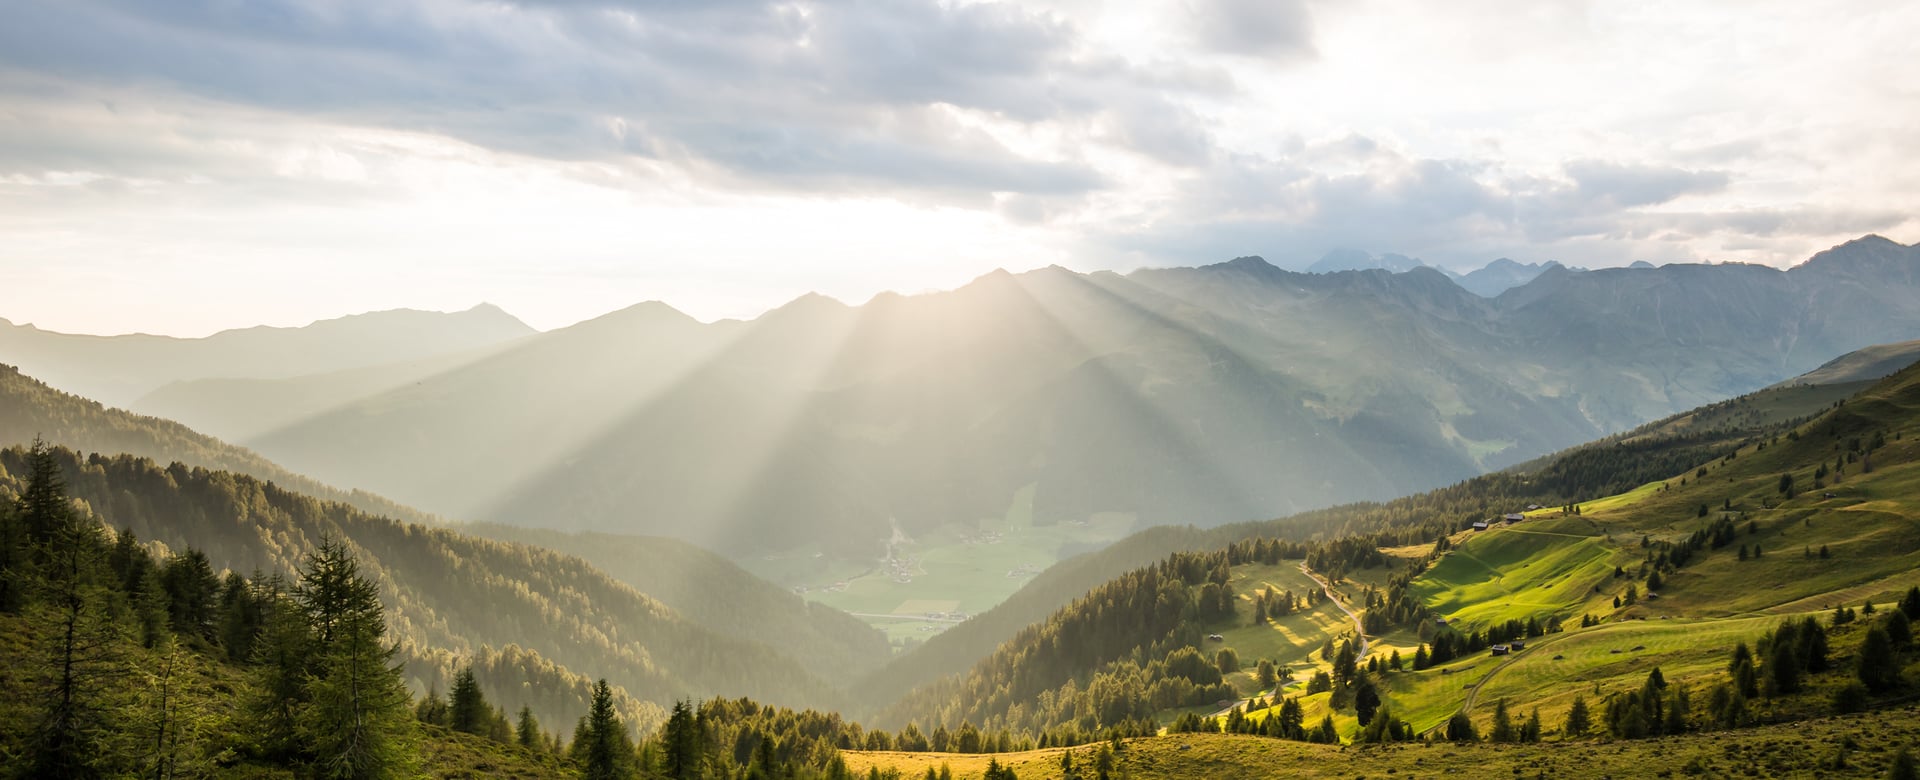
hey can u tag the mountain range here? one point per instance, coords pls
(1228, 392)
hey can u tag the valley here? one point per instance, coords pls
(1497, 606)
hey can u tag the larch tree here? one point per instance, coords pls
(357, 722)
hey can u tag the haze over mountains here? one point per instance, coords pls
(119, 370)
(1228, 392)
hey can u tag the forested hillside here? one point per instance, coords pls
(713, 592)
(533, 618)
(30, 409)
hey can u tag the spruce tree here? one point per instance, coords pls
(527, 732)
(605, 754)
(680, 738)
(1502, 730)
(357, 722)
(77, 642)
(1877, 666)
(467, 709)
(281, 655)
(1578, 719)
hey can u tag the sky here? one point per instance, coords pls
(186, 166)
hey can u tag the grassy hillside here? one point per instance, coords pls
(1671, 574)
(1641, 459)
(1866, 743)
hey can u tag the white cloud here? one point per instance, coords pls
(727, 155)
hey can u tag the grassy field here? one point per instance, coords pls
(1291, 641)
(1804, 749)
(1536, 569)
(1603, 660)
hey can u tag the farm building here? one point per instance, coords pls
(1481, 525)
(1501, 649)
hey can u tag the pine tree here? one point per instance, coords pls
(681, 740)
(192, 594)
(282, 656)
(527, 733)
(467, 709)
(1460, 728)
(78, 644)
(1502, 730)
(1877, 666)
(1578, 719)
(13, 559)
(1899, 629)
(357, 722)
(168, 725)
(608, 752)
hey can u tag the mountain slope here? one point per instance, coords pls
(239, 409)
(1845, 484)
(715, 593)
(30, 409)
(1204, 395)
(1590, 471)
(707, 591)
(443, 591)
(120, 369)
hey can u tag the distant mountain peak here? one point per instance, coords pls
(1501, 275)
(1871, 253)
(1357, 260)
(1249, 262)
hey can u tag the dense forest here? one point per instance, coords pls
(123, 662)
(531, 617)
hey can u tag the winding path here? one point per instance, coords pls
(1359, 629)
(1473, 691)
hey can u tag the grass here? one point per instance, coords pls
(1602, 660)
(1534, 570)
(1803, 749)
(1291, 641)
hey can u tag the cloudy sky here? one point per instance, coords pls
(184, 166)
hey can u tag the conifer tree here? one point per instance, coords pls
(77, 643)
(282, 655)
(356, 722)
(1877, 666)
(1502, 730)
(606, 747)
(1579, 721)
(527, 732)
(680, 739)
(467, 709)
(1460, 728)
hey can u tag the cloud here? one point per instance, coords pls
(1640, 185)
(780, 93)
(1354, 191)
(1280, 30)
